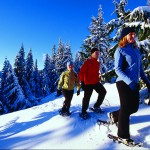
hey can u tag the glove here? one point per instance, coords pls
(82, 85)
(78, 92)
(134, 86)
(59, 92)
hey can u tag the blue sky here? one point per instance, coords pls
(39, 24)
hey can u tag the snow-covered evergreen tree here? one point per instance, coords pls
(19, 65)
(13, 97)
(38, 82)
(54, 53)
(120, 8)
(60, 61)
(46, 81)
(99, 38)
(20, 70)
(2, 85)
(67, 53)
(29, 70)
(54, 75)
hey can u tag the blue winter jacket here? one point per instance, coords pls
(133, 70)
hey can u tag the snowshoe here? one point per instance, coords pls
(127, 142)
(103, 122)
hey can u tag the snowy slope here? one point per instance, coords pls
(41, 127)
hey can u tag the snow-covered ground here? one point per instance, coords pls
(41, 127)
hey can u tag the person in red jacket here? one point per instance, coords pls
(90, 77)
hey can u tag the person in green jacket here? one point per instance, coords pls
(67, 81)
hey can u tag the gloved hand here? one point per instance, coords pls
(59, 92)
(78, 92)
(82, 85)
(134, 86)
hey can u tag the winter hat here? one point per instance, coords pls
(94, 49)
(69, 63)
(126, 31)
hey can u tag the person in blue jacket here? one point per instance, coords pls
(128, 67)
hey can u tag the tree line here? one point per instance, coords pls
(24, 85)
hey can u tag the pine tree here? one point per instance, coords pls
(67, 54)
(46, 81)
(54, 75)
(19, 66)
(2, 85)
(38, 82)
(54, 53)
(99, 38)
(120, 8)
(20, 70)
(60, 62)
(29, 70)
(13, 97)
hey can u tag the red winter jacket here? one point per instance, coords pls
(89, 72)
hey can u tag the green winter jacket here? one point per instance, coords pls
(68, 79)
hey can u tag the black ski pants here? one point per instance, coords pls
(68, 94)
(88, 89)
(129, 104)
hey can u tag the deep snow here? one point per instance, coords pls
(41, 127)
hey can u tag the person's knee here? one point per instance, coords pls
(104, 91)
